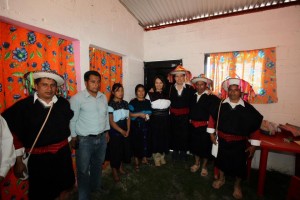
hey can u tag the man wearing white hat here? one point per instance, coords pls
(201, 102)
(180, 94)
(50, 168)
(236, 120)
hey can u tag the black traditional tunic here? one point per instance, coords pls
(237, 122)
(118, 150)
(199, 115)
(179, 140)
(49, 173)
(160, 121)
(140, 131)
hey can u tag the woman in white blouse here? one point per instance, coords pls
(159, 121)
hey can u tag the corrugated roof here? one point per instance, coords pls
(153, 14)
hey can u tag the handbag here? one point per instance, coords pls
(26, 156)
(215, 147)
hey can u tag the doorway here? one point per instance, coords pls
(162, 68)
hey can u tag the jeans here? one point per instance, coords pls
(89, 159)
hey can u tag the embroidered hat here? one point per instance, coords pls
(244, 86)
(202, 78)
(231, 81)
(45, 74)
(180, 70)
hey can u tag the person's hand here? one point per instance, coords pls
(213, 138)
(19, 167)
(142, 115)
(151, 90)
(107, 137)
(124, 133)
(127, 133)
(1, 178)
(74, 142)
(251, 149)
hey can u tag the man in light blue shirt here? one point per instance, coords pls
(89, 131)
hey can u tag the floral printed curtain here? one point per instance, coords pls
(22, 50)
(109, 66)
(258, 67)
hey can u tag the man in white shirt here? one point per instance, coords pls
(7, 149)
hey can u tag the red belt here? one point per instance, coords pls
(179, 111)
(197, 124)
(231, 138)
(52, 148)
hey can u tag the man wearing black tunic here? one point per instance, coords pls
(180, 94)
(49, 166)
(237, 120)
(201, 102)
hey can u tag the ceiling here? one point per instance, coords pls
(155, 14)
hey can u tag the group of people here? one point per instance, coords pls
(181, 118)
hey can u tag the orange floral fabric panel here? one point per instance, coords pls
(109, 66)
(258, 67)
(23, 50)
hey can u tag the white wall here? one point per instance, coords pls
(278, 28)
(102, 23)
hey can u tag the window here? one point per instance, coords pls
(254, 66)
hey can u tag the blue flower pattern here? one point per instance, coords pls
(270, 65)
(261, 53)
(69, 49)
(5, 45)
(34, 64)
(31, 37)
(39, 45)
(108, 88)
(236, 53)
(46, 66)
(12, 29)
(103, 61)
(261, 91)
(113, 69)
(20, 54)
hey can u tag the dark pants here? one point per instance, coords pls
(232, 158)
(179, 133)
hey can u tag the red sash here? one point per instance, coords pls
(197, 124)
(179, 111)
(52, 148)
(231, 138)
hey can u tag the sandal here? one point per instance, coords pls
(137, 168)
(195, 168)
(123, 172)
(217, 184)
(145, 161)
(115, 176)
(204, 172)
(237, 192)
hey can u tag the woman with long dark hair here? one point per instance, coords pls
(160, 121)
